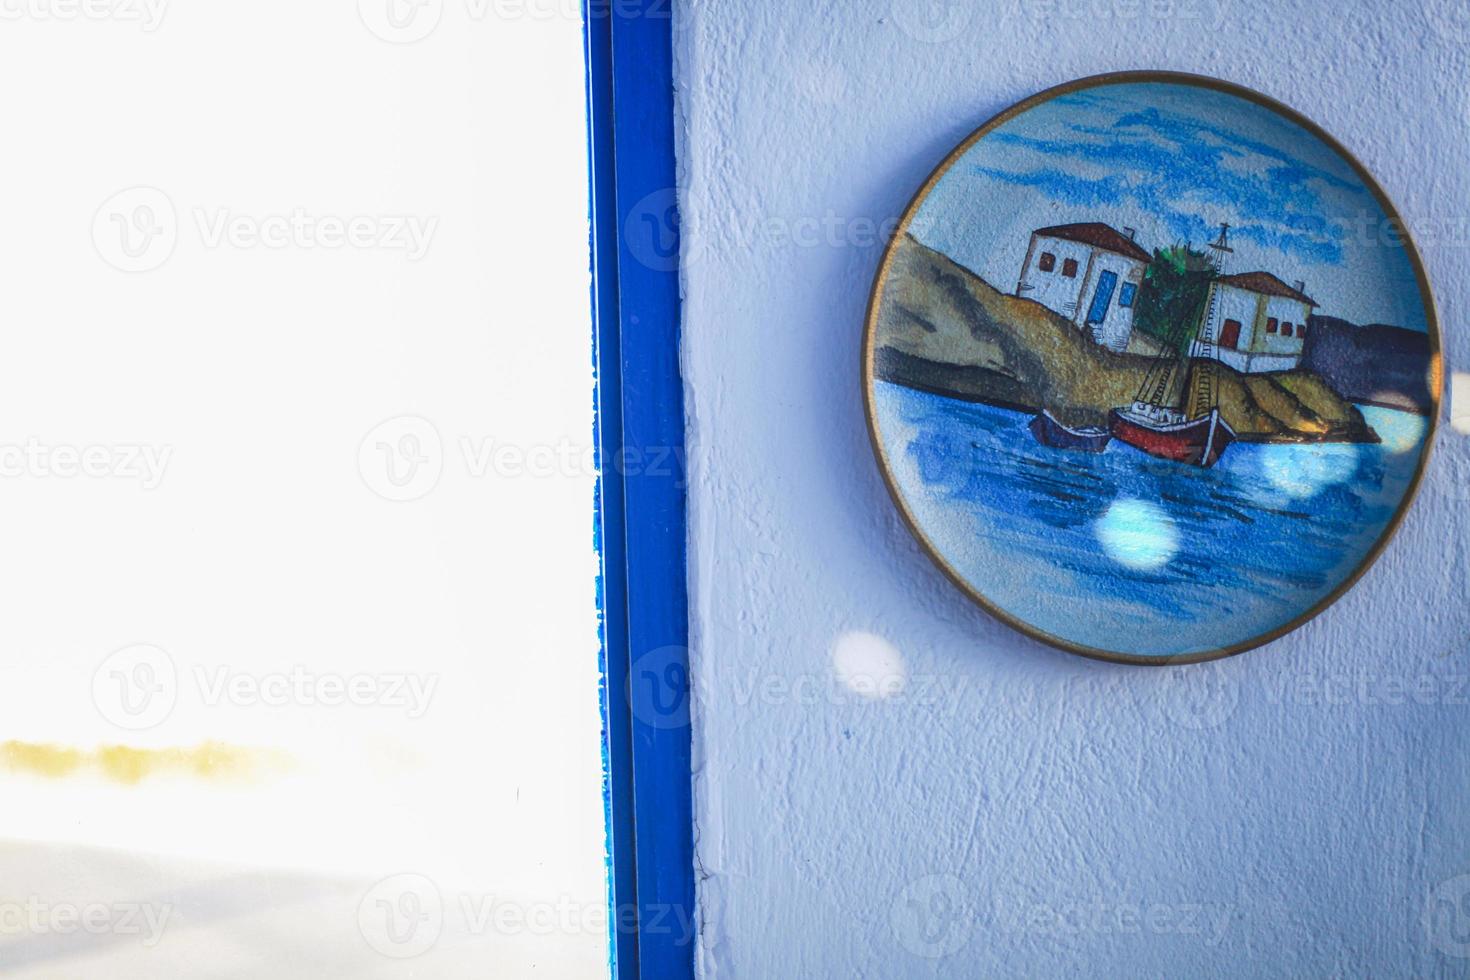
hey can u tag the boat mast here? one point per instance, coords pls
(1206, 390)
(1168, 370)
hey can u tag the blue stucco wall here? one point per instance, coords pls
(999, 808)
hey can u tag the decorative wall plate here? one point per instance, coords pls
(1152, 368)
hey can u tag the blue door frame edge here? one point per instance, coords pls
(641, 491)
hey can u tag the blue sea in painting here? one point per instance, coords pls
(1119, 551)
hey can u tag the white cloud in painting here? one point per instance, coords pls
(1174, 162)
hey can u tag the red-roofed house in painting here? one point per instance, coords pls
(1089, 273)
(1254, 322)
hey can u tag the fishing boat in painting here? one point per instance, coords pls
(1176, 413)
(1050, 432)
(1168, 434)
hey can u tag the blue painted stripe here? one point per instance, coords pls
(609, 529)
(641, 497)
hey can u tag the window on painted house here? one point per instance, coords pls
(1048, 262)
(1272, 325)
(1069, 268)
(1286, 329)
(1125, 296)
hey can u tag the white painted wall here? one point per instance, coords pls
(376, 474)
(1072, 296)
(1235, 304)
(892, 784)
(1117, 323)
(1062, 294)
(1269, 352)
(1286, 311)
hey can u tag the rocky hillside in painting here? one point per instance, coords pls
(942, 328)
(1372, 364)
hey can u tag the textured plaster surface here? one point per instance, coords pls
(1302, 810)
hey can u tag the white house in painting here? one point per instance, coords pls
(1254, 322)
(1088, 273)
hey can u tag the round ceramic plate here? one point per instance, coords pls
(1152, 368)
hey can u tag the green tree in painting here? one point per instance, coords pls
(1173, 295)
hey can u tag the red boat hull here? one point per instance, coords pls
(1198, 442)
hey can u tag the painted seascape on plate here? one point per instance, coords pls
(1152, 370)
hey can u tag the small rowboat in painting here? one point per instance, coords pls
(1088, 439)
(1166, 433)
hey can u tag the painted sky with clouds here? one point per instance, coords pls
(1174, 161)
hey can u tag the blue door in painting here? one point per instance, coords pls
(1106, 283)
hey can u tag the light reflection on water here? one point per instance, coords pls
(1400, 431)
(1137, 533)
(1119, 550)
(1306, 470)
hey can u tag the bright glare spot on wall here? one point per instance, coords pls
(1307, 470)
(1460, 402)
(869, 665)
(1138, 534)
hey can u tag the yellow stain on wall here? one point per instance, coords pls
(214, 761)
